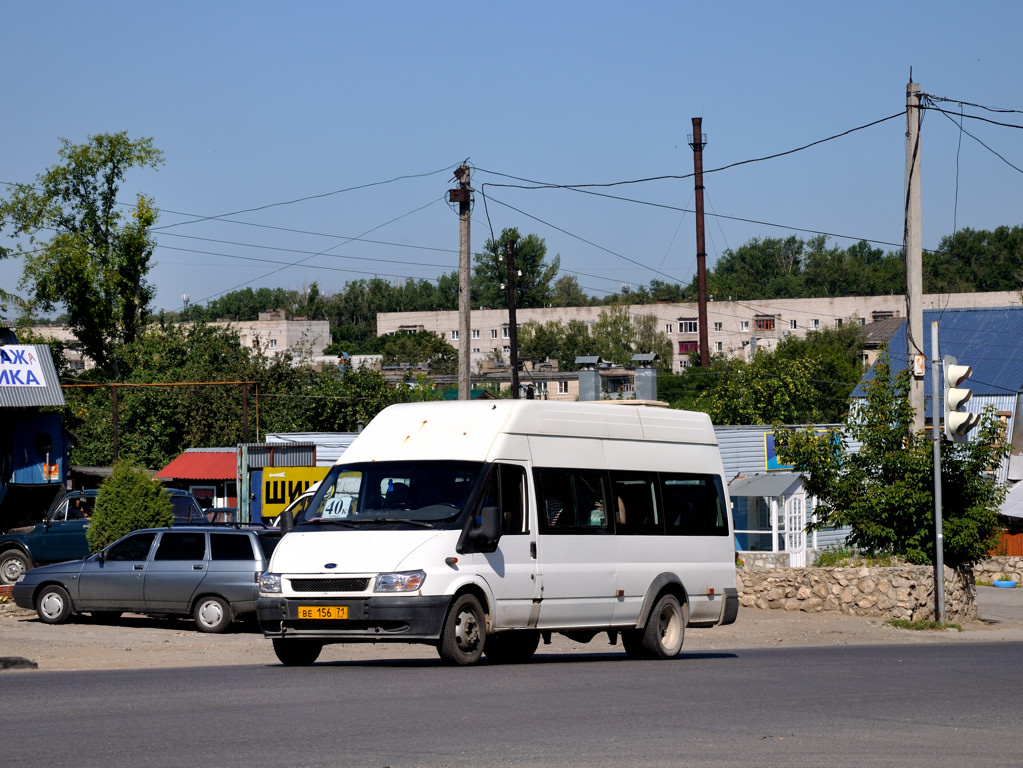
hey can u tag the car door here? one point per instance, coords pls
(177, 568)
(62, 535)
(115, 579)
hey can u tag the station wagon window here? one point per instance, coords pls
(694, 505)
(228, 546)
(132, 548)
(572, 500)
(181, 546)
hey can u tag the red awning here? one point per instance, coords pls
(202, 465)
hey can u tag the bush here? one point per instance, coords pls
(127, 501)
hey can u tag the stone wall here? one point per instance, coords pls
(905, 592)
(999, 566)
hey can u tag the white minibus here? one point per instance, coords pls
(481, 527)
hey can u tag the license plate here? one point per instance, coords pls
(323, 611)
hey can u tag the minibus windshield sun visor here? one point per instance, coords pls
(418, 493)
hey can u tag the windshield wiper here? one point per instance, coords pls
(328, 521)
(420, 523)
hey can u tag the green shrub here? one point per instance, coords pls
(127, 501)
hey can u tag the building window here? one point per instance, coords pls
(454, 335)
(506, 350)
(793, 325)
(744, 325)
(683, 363)
(763, 323)
(815, 324)
(718, 327)
(669, 328)
(688, 326)
(562, 387)
(475, 334)
(718, 346)
(493, 333)
(273, 344)
(504, 332)
(863, 321)
(688, 347)
(838, 322)
(881, 314)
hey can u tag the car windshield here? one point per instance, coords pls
(432, 492)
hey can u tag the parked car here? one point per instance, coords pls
(210, 573)
(61, 534)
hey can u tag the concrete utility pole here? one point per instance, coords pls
(916, 359)
(463, 196)
(513, 343)
(697, 143)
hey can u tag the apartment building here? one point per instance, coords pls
(735, 327)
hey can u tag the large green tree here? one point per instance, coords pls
(79, 250)
(884, 489)
(533, 279)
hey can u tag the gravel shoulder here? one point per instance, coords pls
(138, 642)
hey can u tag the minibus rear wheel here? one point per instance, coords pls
(665, 629)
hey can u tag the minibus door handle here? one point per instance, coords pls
(532, 549)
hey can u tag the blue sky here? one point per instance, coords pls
(258, 104)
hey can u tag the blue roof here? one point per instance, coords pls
(989, 340)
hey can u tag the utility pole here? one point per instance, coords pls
(914, 258)
(513, 343)
(463, 196)
(697, 143)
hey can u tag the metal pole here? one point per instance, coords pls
(697, 143)
(939, 544)
(512, 329)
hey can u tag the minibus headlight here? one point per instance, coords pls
(404, 581)
(270, 583)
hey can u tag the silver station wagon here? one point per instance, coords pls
(206, 572)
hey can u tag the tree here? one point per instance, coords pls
(128, 500)
(533, 275)
(617, 337)
(567, 293)
(555, 340)
(884, 490)
(95, 262)
(410, 349)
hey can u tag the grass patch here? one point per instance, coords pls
(921, 624)
(836, 556)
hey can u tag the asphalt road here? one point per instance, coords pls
(919, 705)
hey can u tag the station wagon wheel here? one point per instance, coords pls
(297, 653)
(53, 604)
(464, 633)
(13, 564)
(212, 614)
(665, 629)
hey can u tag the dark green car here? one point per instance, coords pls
(61, 534)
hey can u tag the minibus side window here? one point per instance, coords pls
(694, 505)
(637, 511)
(572, 500)
(505, 487)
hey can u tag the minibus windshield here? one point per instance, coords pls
(433, 492)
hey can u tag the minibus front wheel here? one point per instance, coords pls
(465, 631)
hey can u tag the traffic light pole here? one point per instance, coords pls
(939, 543)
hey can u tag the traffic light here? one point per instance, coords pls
(958, 421)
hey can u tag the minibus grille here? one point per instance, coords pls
(330, 585)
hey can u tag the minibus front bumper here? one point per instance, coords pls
(370, 619)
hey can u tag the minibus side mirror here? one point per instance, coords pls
(482, 533)
(287, 521)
